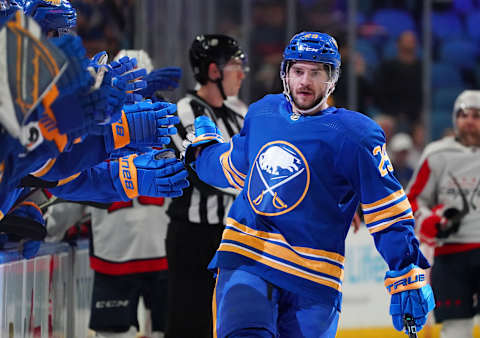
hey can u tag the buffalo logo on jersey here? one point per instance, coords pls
(279, 179)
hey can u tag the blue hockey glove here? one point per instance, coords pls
(29, 211)
(206, 133)
(123, 65)
(161, 79)
(156, 174)
(143, 124)
(131, 81)
(30, 248)
(76, 77)
(411, 295)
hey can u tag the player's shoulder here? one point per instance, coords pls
(267, 104)
(357, 126)
(446, 144)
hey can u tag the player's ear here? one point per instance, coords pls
(213, 71)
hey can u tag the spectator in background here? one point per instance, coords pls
(267, 46)
(418, 143)
(398, 83)
(364, 88)
(388, 125)
(400, 147)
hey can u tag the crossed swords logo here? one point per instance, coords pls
(276, 200)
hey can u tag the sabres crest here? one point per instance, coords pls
(279, 179)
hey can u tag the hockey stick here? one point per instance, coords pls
(409, 323)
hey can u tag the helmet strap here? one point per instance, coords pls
(219, 83)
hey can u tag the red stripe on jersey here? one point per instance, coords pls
(119, 205)
(137, 266)
(417, 186)
(146, 200)
(448, 249)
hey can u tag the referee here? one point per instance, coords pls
(196, 218)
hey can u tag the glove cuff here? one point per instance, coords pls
(410, 278)
(120, 136)
(126, 182)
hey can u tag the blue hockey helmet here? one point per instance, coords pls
(7, 8)
(313, 47)
(52, 15)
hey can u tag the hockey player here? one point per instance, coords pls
(302, 167)
(196, 219)
(444, 193)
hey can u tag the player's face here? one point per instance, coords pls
(233, 75)
(307, 82)
(468, 125)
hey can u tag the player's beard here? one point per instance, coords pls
(305, 107)
(469, 138)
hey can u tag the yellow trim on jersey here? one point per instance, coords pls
(279, 266)
(1, 214)
(336, 257)
(392, 211)
(242, 175)
(381, 226)
(283, 253)
(214, 306)
(45, 168)
(231, 173)
(390, 198)
(232, 179)
(68, 179)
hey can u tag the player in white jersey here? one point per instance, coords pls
(445, 197)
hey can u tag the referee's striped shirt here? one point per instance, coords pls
(201, 203)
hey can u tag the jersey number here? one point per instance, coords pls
(385, 165)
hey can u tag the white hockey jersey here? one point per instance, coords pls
(447, 170)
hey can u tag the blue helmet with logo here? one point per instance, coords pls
(311, 47)
(52, 15)
(7, 8)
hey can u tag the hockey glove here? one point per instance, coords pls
(123, 65)
(131, 81)
(79, 114)
(161, 79)
(155, 174)
(411, 295)
(206, 133)
(76, 77)
(143, 124)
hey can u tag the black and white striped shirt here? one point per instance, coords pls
(201, 203)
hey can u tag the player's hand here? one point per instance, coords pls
(429, 225)
(155, 174)
(76, 77)
(161, 79)
(143, 124)
(151, 124)
(356, 223)
(410, 295)
(206, 133)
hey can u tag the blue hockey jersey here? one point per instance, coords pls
(301, 180)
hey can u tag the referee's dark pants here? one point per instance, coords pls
(190, 247)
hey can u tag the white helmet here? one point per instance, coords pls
(143, 59)
(467, 99)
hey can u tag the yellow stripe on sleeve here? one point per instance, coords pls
(392, 211)
(382, 226)
(383, 201)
